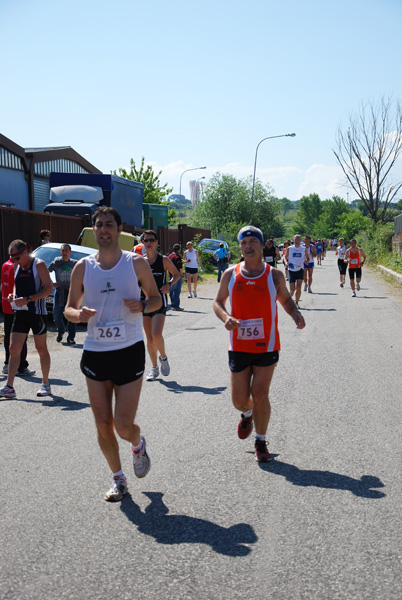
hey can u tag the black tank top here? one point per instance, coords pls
(159, 274)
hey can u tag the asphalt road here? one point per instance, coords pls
(322, 521)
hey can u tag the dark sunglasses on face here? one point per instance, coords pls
(149, 240)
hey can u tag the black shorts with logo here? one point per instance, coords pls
(24, 320)
(238, 361)
(119, 366)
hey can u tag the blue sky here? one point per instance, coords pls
(192, 84)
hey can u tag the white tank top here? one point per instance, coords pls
(193, 257)
(296, 258)
(341, 252)
(113, 327)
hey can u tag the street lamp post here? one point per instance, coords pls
(193, 169)
(255, 164)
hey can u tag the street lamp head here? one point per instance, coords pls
(291, 134)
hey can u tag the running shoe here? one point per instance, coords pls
(341, 284)
(153, 374)
(245, 427)
(7, 392)
(261, 451)
(27, 372)
(59, 337)
(117, 491)
(358, 287)
(5, 370)
(305, 287)
(190, 295)
(141, 460)
(195, 293)
(297, 305)
(70, 341)
(310, 291)
(353, 294)
(165, 368)
(177, 308)
(44, 390)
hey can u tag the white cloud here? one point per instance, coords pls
(292, 182)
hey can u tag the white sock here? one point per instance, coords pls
(119, 475)
(260, 437)
(248, 413)
(136, 449)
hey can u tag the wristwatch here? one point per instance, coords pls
(29, 299)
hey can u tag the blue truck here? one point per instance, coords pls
(82, 193)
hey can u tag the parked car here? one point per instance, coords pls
(48, 252)
(211, 246)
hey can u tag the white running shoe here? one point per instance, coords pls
(190, 295)
(7, 392)
(195, 293)
(117, 491)
(353, 294)
(5, 370)
(310, 291)
(44, 390)
(153, 374)
(358, 287)
(141, 460)
(165, 368)
(341, 284)
(27, 372)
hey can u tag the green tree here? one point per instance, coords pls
(227, 201)
(332, 210)
(349, 224)
(310, 211)
(154, 192)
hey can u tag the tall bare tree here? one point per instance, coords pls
(367, 151)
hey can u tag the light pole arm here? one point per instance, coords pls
(255, 163)
(193, 169)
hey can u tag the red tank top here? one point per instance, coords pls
(354, 259)
(253, 302)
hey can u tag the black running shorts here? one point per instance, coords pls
(24, 320)
(296, 276)
(119, 366)
(238, 361)
(357, 271)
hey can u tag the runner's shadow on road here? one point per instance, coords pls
(176, 388)
(325, 294)
(182, 529)
(53, 401)
(326, 479)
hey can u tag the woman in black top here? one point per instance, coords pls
(154, 321)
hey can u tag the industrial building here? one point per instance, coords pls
(24, 172)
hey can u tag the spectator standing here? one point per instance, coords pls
(222, 256)
(7, 288)
(175, 289)
(45, 236)
(32, 284)
(62, 267)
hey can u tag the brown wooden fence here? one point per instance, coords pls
(27, 224)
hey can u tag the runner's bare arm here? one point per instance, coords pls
(73, 312)
(147, 283)
(219, 304)
(285, 299)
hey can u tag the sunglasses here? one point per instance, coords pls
(149, 240)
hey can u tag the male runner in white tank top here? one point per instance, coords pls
(114, 352)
